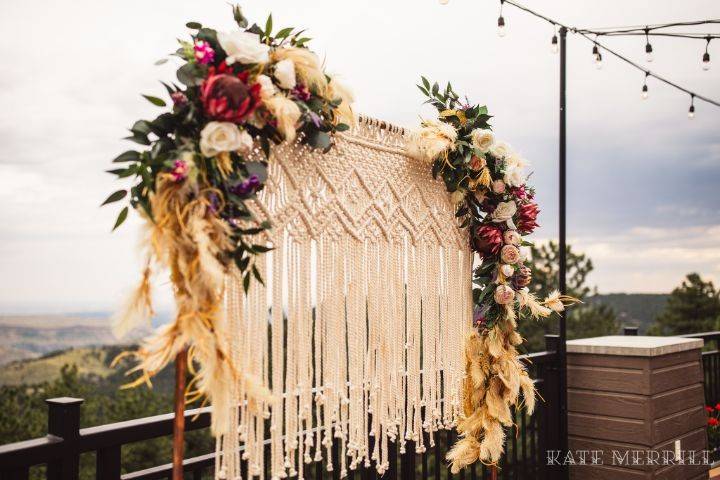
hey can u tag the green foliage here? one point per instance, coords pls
(692, 307)
(585, 320)
(23, 414)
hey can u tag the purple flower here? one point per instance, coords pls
(214, 202)
(204, 53)
(246, 187)
(301, 92)
(315, 118)
(179, 99)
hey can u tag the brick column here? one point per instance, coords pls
(634, 398)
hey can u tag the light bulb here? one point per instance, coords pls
(554, 44)
(691, 112)
(706, 61)
(598, 61)
(444, 2)
(501, 26)
(644, 93)
(648, 52)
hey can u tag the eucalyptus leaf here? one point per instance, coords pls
(121, 218)
(318, 139)
(155, 100)
(128, 156)
(115, 197)
(193, 25)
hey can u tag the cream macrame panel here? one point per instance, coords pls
(358, 331)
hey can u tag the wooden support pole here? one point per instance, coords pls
(179, 421)
(493, 472)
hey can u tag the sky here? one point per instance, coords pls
(643, 180)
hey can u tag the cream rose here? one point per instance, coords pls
(514, 177)
(512, 237)
(507, 270)
(267, 87)
(219, 137)
(500, 150)
(504, 212)
(285, 73)
(510, 254)
(504, 294)
(482, 139)
(243, 47)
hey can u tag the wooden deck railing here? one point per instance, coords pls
(59, 451)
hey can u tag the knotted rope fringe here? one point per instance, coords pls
(358, 329)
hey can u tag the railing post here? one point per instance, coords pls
(108, 463)
(630, 331)
(549, 433)
(64, 422)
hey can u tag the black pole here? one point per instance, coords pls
(562, 253)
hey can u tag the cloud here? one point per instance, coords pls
(71, 87)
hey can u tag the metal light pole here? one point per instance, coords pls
(562, 254)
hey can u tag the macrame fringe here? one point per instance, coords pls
(365, 308)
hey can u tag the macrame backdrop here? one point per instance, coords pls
(359, 326)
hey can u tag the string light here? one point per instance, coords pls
(444, 2)
(691, 111)
(648, 47)
(501, 21)
(646, 30)
(597, 55)
(554, 42)
(706, 56)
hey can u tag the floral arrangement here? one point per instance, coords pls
(240, 93)
(713, 425)
(488, 182)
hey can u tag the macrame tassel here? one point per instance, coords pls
(367, 303)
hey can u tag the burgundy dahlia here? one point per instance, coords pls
(488, 239)
(228, 97)
(526, 218)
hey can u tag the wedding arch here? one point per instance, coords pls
(328, 268)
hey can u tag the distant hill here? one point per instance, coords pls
(639, 309)
(91, 361)
(31, 336)
(93, 366)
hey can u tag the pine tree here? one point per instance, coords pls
(692, 307)
(586, 320)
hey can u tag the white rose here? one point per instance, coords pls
(513, 160)
(483, 140)
(267, 87)
(500, 150)
(285, 73)
(504, 212)
(243, 47)
(514, 177)
(219, 137)
(507, 270)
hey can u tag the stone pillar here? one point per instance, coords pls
(639, 400)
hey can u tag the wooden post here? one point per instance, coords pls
(493, 472)
(179, 421)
